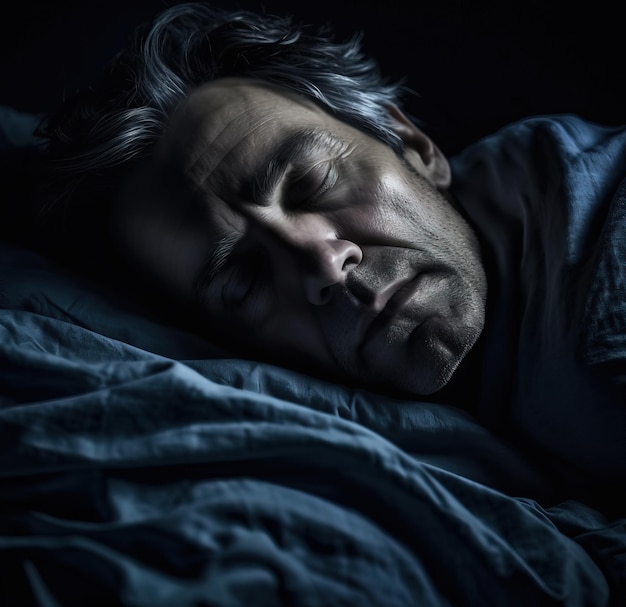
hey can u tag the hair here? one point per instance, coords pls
(97, 136)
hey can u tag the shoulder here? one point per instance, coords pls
(543, 154)
(568, 133)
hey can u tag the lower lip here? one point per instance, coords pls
(394, 306)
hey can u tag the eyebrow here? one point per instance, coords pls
(216, 261)
(259, 190)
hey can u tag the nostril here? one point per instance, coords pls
(350, 262)
(329, 264)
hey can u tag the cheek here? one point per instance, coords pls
(388, 213)
(415, 211)
(366, 216)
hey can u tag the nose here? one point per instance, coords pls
(332, 259)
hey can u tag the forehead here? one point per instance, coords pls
(232, 121)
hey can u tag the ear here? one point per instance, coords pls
(421, 151)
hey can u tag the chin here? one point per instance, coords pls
(443, 356)
(437, 380)
(426, 382)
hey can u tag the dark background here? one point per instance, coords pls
(474, 65)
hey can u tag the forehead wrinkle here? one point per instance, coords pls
(200, 173)
(255, 106)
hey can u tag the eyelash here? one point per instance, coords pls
(329, 181)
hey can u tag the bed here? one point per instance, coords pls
(142, 465)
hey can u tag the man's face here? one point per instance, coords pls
(303, 238)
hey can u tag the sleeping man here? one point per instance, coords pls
(264, 181)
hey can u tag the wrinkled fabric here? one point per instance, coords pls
(550, 210)
(132, 478)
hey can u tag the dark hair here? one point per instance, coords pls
(95, 137)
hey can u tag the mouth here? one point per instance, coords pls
(380, 319)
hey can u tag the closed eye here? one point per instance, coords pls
(246, 285)
(304, 163)
(304, 189)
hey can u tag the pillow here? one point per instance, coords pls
(32, 283)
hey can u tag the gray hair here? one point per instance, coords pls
(97, 136)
